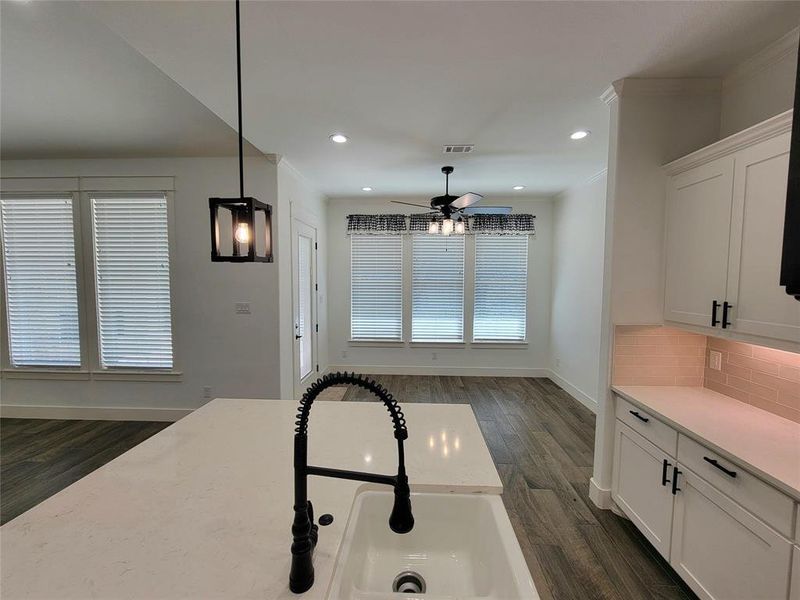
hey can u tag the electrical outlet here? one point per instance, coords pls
(206, 391)
(715, 360)
(242, 308)
(435, 355)
(344, 353)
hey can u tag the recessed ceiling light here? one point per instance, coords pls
(338, 138)
(366, 188)
(519, 187)
(579, 135)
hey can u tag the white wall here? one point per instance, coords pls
(300, 201)
(237, 355)
(653, 122)
(761, 87)
(468, 360)
(578, 249)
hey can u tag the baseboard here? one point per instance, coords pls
(92, 413)
(600, 497)
(439, 370)
(573, 391)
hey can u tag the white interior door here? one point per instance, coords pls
(304, 284)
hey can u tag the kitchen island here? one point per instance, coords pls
(204, 508)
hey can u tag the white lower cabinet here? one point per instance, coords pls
(725, 535)
(638, 486)
(722, 551)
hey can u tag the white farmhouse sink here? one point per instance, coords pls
(462, 545)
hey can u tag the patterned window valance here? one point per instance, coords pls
(376, 224)
(515, 224)
(418, 223)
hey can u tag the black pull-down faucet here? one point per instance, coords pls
(304, 530)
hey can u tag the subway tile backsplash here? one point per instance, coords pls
(763, 377)
(656, 355)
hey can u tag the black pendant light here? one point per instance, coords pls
(249, 221)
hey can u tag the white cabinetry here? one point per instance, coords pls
(724, 230)
(721, 550)
(725, 531)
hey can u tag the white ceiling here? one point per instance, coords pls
(71, 88)
(403, 78)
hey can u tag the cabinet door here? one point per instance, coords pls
(760, 305)
(637, 486)
(698, 232)
(722, 551)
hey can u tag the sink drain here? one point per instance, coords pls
(409, 582)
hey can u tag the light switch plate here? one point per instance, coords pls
(715, 360)
(242, 308)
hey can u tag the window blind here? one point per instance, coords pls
(437, 282)
(131, 248)
(41, 282)
(501, 287)
(376, 287)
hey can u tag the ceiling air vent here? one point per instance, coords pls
(458, 148)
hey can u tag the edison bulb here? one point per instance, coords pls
(242, 234)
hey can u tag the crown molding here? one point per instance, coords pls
(764, 59)
(609, 95)
(772, 127)
(599, 175)
(662, 86)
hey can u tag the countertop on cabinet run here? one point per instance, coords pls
(204, 508)
(768, 445)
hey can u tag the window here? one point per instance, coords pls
(437, 282)
(376, 288)
(131, 249)
(501, 287)
(40, 281)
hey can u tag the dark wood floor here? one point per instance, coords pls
(40, 457)
(542, 442)
(540, 438)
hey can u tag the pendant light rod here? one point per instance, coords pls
(239, 98)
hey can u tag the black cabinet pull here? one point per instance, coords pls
(665, 465)
(714, 462)
(725, 308)
(638, 416)
(714, 319)
(675, 473)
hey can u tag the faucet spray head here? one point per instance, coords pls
(401, 520)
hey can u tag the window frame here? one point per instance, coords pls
(379, 342)
(47, 372)
(80, 189)
(90, 292)
(466, 307)
(498, 343)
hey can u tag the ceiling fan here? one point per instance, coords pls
(448, 204)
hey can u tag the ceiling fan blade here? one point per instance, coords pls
(466, 200)
(487, 210)
(410, 204)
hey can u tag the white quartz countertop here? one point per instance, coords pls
(765, 444)
(203, 509)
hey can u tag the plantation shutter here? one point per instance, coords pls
(501, 287)
(437, 282)
(41, 281)
(376, 288)
(131, 247)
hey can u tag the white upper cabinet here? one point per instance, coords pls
(698, 233)
(724, 233)
(760, 307)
